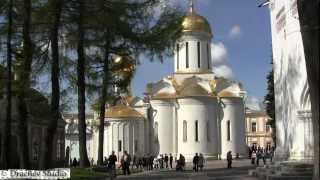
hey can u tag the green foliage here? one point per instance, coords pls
(269, 98)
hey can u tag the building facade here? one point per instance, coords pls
(38, 122)
(258, 131)
(292, 99)
(190, 111)
(72, 135)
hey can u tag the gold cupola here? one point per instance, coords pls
(193, 22)
(123, 111)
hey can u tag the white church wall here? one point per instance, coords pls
(163, 119)
(200, 109)
(233, 127)
(290, 81)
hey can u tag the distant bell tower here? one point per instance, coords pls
(193, 49)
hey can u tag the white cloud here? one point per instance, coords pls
(254, 103)
(219, 55)
(235, 32)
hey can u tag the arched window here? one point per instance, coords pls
(136, 146)
(185, 135)
(208, 55)
(196, 131)
(253, 127)
(228, 131)
(156, 129)
(119, 145)
(187, 55)
(178, 49)
(208, 131)
(199, 54)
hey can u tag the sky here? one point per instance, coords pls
(241, 46)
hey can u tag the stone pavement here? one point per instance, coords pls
(215, 170)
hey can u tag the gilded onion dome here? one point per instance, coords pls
(123, 111)
(193, 22)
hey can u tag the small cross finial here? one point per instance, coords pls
(191, 6)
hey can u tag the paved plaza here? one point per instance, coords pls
(215, 170)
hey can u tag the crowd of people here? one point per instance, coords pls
(258, 153)
(149, 162)
(198, 162)
(166, 161)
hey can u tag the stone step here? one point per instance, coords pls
(279, 177)
(297, 169)
(296, 173)
(296, 165)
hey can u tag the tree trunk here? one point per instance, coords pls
(24, 86)
(5, 158)
(84, 161)
(103, 100)
(309, 23)
(47, 161)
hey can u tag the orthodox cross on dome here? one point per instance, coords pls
(191, 6)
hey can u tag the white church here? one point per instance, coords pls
(190, 111)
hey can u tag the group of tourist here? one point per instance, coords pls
(149, 162)
(198, 162)
(125, 162)
(258, 153)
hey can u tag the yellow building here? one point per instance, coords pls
(258, 131)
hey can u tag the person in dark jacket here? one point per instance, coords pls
(229, 159)
(170, 160)
(166, 160)
(196, 163)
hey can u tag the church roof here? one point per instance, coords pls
(122, 111)
(193, 22)
(226, 93)
(164, 95)
(193, 90)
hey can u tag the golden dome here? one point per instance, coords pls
(195, 23)
(122, 111)
(226, 94)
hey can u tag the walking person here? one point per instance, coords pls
(272, 153)
(112, 164)
(161, 161)
(196, 163)
(166, 160)
(258, 157)
(264, 156)
(127, 160)
(170, 160)
(74, 162)
(201, 162)
(253, 157)
(229, 159)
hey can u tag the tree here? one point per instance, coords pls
(129, 25)
(103, 98)
(46, 161)
(270, 103)
(309, 22)
(81, 10)
(5, 146)
(24, 85)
